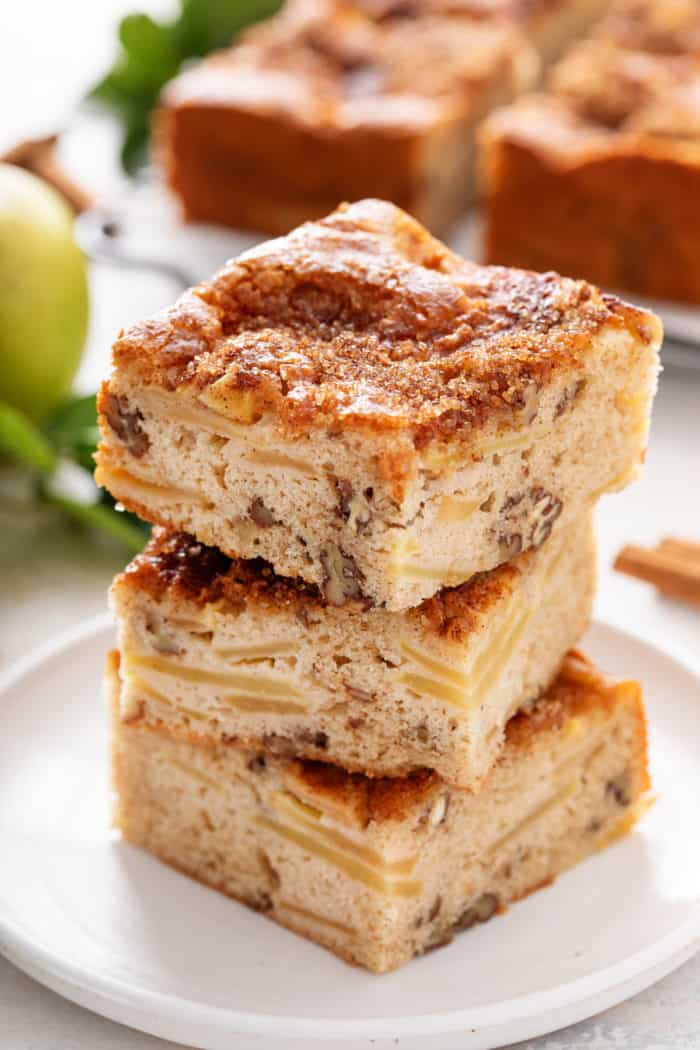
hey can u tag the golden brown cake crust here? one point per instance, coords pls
(363, 321)
(638, 74)
(364, 798)
(578, 690)
(579, 687)
(175, 564)
(635, 79)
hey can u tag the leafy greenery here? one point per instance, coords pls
(59, 457)
(73, 430)
(20, 439)
(152, 52)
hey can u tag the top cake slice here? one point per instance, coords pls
(367, 411)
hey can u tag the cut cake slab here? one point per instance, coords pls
(225, 651)
(381, 870)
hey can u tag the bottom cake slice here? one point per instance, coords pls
(381, 870)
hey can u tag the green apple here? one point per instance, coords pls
(43, 294)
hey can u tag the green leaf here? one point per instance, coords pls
(152, 52)
(23, 441)
(151, 48)
(149, 56)
(73, 430)
(203, 27)
(74, 423)
(73, 491)
(129, 532)
(62, 458)
(134, 148)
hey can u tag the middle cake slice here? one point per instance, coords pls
(222, 649)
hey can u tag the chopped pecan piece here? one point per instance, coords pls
(343, 579)
(546, 510)
(354, 507)
(127, 425)
(261, 514)
(480, 911)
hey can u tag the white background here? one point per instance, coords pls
(50, 578)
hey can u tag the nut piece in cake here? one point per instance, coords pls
(330, 101)
(222, 650)
(600, 175)
(368, 412)
(381, 870)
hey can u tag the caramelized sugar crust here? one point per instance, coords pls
(176, 565)
(364, 799)
(579, 689)
(363, 321)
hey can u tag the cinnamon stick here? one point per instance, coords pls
(681, 549)
(673, 567)
(40, 157)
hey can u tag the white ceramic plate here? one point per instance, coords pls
(114, 930)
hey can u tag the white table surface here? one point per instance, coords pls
(52, 578)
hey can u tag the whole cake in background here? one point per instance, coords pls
(345, 691)
(599, 175)
(331, 101)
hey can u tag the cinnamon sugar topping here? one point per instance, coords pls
(363, 321)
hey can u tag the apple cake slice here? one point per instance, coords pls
(599, 176)
(223, 650)
(382, 870)
(331, 101)
(368, 412)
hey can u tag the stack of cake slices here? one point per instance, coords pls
(345, 691)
